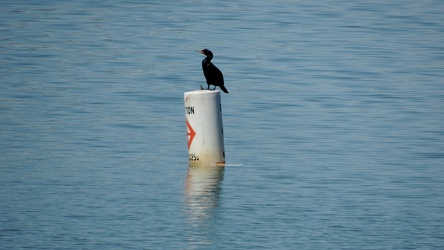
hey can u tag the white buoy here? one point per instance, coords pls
(203, 112)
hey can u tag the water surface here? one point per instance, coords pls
(333, 125)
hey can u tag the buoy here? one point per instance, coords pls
(203, 113)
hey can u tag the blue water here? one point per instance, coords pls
(333, 127)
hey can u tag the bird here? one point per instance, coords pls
(212, 73)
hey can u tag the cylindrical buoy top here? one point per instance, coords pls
(203, 112)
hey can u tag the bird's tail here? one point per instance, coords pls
(224, 89)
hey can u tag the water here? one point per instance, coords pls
(333, 125)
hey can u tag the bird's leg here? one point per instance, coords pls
(208, 86)
(214, 88)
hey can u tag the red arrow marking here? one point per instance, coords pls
(190, 133)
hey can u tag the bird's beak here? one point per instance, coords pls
(200, 51)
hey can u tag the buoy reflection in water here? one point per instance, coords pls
(202, 190)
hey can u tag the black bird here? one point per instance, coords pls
(212, 73)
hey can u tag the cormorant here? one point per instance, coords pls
(212, 73)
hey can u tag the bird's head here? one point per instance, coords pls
(206, 52)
